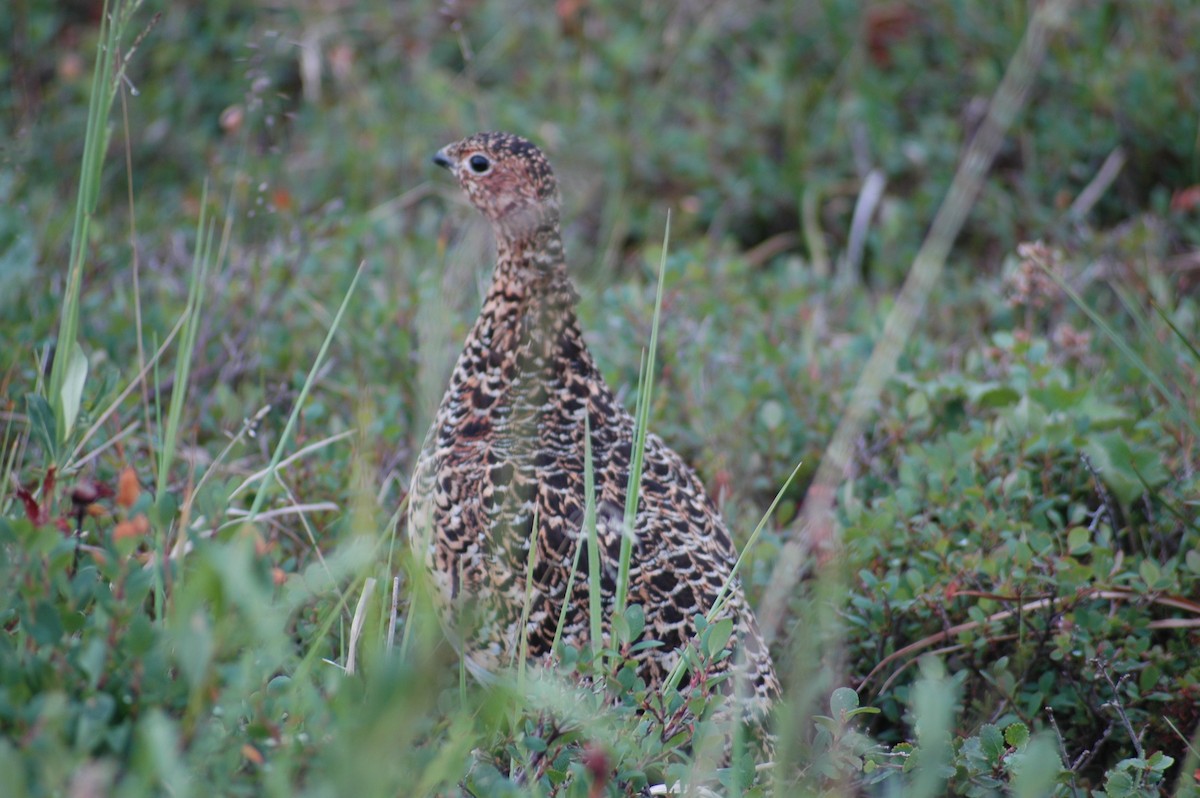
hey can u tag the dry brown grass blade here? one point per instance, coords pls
(356, 626)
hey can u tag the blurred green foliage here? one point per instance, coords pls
(1022, 507)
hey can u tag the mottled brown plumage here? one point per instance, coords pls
(509, 438)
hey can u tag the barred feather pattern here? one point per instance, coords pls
(507, 444)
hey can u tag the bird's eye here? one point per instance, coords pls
(479, 164)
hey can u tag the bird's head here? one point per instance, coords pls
(507, 178)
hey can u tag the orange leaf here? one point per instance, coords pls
(128, 488)
(131, 529)
(252, 753)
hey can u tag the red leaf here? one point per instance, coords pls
(32, 511)
(1185, 199)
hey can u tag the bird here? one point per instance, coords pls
(502, 468)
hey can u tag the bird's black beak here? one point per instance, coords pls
(441, 159)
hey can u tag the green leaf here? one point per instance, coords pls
(1118, 784)
(991, 394)
(1148, 679)
(718, 636)
(1079, 540)
(41, 419)
(1192, 558)
(992, 742)
(46, 627)
(1016, 735)
(1159, 761)
(771, 414)
(635, 618)
(1057, 397)
(1119, 465)
(916, 405)
(1035, 769)
(1150, 573)
(843, 699)
(72, 390)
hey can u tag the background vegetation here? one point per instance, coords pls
(1019, 516)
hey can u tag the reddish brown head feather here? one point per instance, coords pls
(516, 190)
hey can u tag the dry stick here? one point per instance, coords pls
(1108, 508)
(1116, 702)
(1049, 601)
(935, 652)
(1062, 747)
(1099, 184)
(817, 523)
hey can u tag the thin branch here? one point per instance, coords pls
(1102, 666)
(1099, 184)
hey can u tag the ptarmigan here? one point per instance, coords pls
(508, 441)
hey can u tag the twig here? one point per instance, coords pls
(1062, 747)
(777, 244)
(1100, 489)
(1099, 184)
(1085, 757)
(1102, 666)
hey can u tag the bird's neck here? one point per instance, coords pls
(531, 274)
(528, 254)
(529, 310)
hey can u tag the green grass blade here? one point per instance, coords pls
(191, 329)
(642, 422)
(722, 598)
(277, 455)
(106, 72)
(10, 446)
(89, 176)
(1162, 314)
(595, 617)
(523, 629)
(562, 612)
(183, 365)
